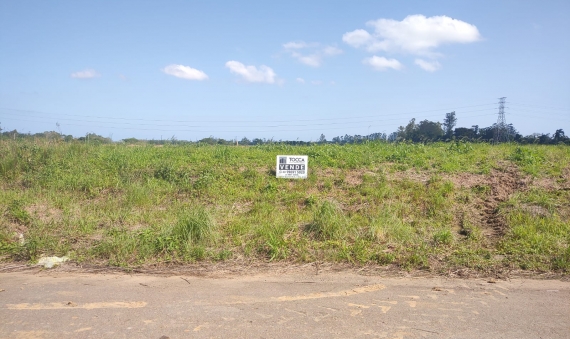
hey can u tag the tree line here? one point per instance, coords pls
(432, 131)
(419, 132)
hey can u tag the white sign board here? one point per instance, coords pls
(292, 166)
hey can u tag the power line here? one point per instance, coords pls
(229, 121)
(550, 113)
(537, 106)
(218, 123)
(535, 116)
(223, 131)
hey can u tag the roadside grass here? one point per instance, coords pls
(540, 234)
(408, 205)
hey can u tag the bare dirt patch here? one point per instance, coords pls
(354, 177)
(136, 227)
(410, 174)
(242, 207)
(502, 182)
(326, 173)
(250, 267)
(44, 213)
(466, 180)
(560, 183)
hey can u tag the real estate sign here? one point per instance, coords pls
(292, 166)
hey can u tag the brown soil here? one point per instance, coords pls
(44, 213)
(354, 178)
(558, 183)
(484, 213)
(242, 266)
(241, 207)
(503, 182)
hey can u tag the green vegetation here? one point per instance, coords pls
(439, 206)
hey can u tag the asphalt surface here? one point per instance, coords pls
(333, 305)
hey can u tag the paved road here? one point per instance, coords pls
(332, 305)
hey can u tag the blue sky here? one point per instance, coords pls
(283, 70)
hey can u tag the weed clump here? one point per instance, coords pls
(329, 222)
(165, 172)
(18, 213)
(525, 156)
(444, 237)
(194, 226)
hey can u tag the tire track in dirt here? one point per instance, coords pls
(502, 182)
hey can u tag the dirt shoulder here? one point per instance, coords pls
(236, 269)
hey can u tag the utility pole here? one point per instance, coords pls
(501, 131)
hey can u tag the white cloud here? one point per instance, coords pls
(314, 52)
(430, 66)
(86, 74)
(382, 64)
(416, 34)
(295, 45)
(251, 73)
(331, 50)
(123, 77)
(185, 72)
(300, 80)
(313, 60)
(357, 38)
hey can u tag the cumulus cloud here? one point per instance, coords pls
(86, 74)
(310, 54)
(430, 66)
(416, 34)
(300, 80)
(357, 38)
(251, 73)
(382, 64)
(185, 72)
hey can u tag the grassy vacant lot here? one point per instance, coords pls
(444, 206)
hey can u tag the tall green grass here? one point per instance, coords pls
(372, 203)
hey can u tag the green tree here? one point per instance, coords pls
(464, 133)
(559, 136)
(428, 131)
(449, 123)
(408, 132)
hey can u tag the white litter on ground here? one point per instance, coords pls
(49, 262)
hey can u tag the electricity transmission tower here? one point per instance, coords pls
(501, 128)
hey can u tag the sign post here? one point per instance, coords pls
(292, 166)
